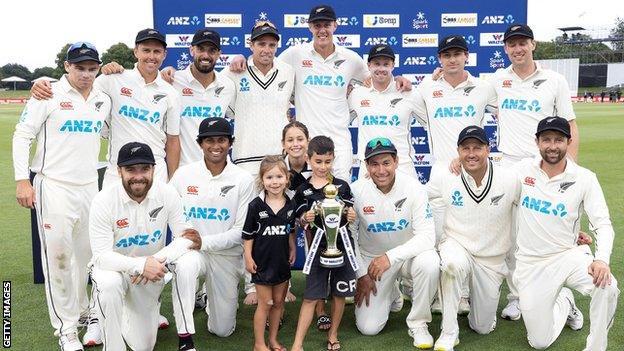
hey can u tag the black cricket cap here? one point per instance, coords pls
(149, 33)
(554, 123)
(475, 132)
(214, 126)
(207, 36)
(322, 13)
(134, 153)
(378, 146)
(452, 42)
(380, 50)
(264, 29)
(82, 51)
(518, 30)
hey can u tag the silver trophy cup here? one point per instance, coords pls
(330, 211)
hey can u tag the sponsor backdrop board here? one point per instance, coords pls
(411, 28)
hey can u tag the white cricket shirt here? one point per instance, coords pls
(549, 211)
(522, 103)
(215, 205)
(67, 128)
(321, 90)
(449, 110)
(197, 104)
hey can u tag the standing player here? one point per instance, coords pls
(383, 111)
(476, 233)
(215, 194)
(127, 227)
(67, 129)
(144, 107)
(527, 93)
(395, 230)
(555, 193)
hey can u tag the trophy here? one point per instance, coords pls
(330, 211)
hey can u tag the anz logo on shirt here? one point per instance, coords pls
(321, 80)
(544, 207)
(455, 111)
(141, 239)
(207, 213)
(81, 126)
(243, 84)
(276, 230)
(457, 199)
(380, 120)
(521, 105)
(390, 226)
(202, 111)
(139, 113)
(428, 212)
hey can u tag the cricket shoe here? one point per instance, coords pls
(186, 343)
(163, 322)
(70, 342)
(575, 317)
(446, 342)
(93, 335)
(512, 311)
(422, 339)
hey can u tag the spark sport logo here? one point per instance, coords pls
(420, 22)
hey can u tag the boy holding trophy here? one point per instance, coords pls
(325, 206)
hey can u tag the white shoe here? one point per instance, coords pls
(464, 306)
(446, 342)
(436, 306)
(422, 338)
(70, 342)
(575, 317)
(512, 311)
(397, 304)
(163, 323)
(93, 335)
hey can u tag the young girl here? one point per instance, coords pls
(269, 243)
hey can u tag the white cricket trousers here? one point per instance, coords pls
(508, 161)
(111, 176)
(222, 274)
(126, 311)
(545, 297)
(343, 162)
(425, 272)
(484, 276)
(63, 219)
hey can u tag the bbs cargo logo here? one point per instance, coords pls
(381, 21)
(459, 20)
(223, 20)
(419, 40)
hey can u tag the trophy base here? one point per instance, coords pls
(332, 261)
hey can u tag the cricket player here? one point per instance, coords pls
(476, 233)
(127, 227)
(215, 194)
(144, 107)
(395, 230)
(555, 193)
(526, 93)
(67, 129)
(383, 111)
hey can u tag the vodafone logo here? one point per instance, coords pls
(191, 189)
(306, 63)
(365, 103)
(66, 105)
(507, 83)
(187, 92)
(437, 94)
(126, 92)
(122, 223)
(368, 210)
(530, 181)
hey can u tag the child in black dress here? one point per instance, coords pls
(269, 242)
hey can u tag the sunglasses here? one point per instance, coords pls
(377, 142)
(82, 44)
(264, 23)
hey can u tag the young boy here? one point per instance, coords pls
(341, 280)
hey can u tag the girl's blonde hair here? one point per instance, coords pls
(268, 162)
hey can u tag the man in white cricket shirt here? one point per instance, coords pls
(555, 193)
(395, 232)
(476, 233)
(67, 129)
(127, 227)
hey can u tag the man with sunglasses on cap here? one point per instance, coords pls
(67, 129)
(476, 233)
(395, 229)
(127, 227)
(145, 107)
(215, 193)
(383, 111)
(555, 193)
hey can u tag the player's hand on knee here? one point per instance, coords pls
(402, 83)
(365, 285)
(238, 64)
(112, 68)
(601, 273)
(193, 235)
(378, 266)
(25, 194)
(154, 269)
(584, 239)
(250, 264)
(167, 74)
(41, 90)
(351, 216)
(138, 279)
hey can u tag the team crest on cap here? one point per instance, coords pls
(515, 28)
(549, 120)
(84, 51)
(471, 130)
(320, 9)
(450, 39)
(207, 32)
(211, 123)
(380, 48)
(152, 32)
(134, 149)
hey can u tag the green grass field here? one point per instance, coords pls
(602, 148)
